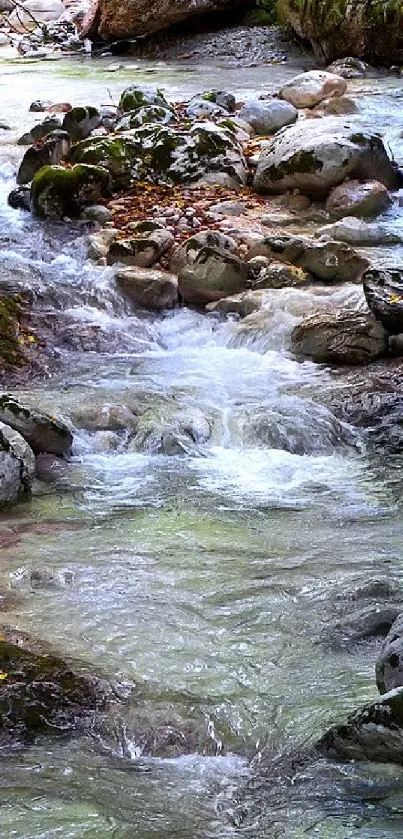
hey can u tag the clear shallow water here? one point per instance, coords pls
(214, 577)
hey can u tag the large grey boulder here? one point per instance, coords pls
(316, 155)
(17, 465)
(345, 337)
(389, 666)
(214, 274)
(266, 116)
(43, 432)
(375, 732)
(309, 89)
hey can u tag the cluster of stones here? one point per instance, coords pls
(39, 27)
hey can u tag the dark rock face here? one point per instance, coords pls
(383, 289)
(338, 28)
(389, 667)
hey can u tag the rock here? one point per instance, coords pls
(170, 431)
(58, 193)
(316, 155)
(268, 274)
(109, 20)
(32, 12)
(353, 198)
(41, 431)
(372, 621)
(198, 108)
(151, 289)
(49, 153)
(244, 304)
(350, 68)
(17, 465)
(389, 666)
(40, 578)
(144, 116)
(206, 153)
(40, 130)
(345, 337)
(213, 274)
(374, 733)
(97, 213)
(309, 89)
(187, 253)
(99, 243)
(80, 122)
(135, 98)
(354, 231)
(383, 289)
(361, 29)
(108, 417)
(57, 108)
(332, 262)
(49, 468)
(221, 98)
(340, 106)
(395, 343)
(42, 695)
(19, 198)
(144, 249)
(228, 208)
(266, 116)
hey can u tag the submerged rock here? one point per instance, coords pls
(43, 432)
(316, 155)
(374, 733)
(309, 89)
(58, 193)
(345, 337)
(383, 289)
(169, 430)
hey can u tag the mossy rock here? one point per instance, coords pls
(133, 98)
(57, 192)
(146, 115)
(117, 154)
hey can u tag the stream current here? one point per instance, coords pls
(213, 576)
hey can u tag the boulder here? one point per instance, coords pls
(49, 153)
(316, 155)
(40, 130)
(244, 304)
(144, 249)
(363, 28)
(20, 198)
(219, 98)
(135, 98)
(206, 153)
(389, 666)
(171, 431)
(80, 122)
(350, 68)
(110, 20)
(373, 733)
(58, 193)
(32, 12)
(17, 465)
(100, 242)
(328, 261)
(268, 274)
(186, 254)
(309, 89)
(353, 198)
(144, 116)
(354, 231)
(344, 337)
(41, 431)
(339, 106)
(151, 289)
(213, 274)
(383, 289)
(266, 116)
(366, 623)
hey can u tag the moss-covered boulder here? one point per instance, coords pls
(369, 29)
(145, 115)
(135, 98)
(316, 155)
(44, 433)
(118, 154)
(57, 192)
(40, 130)
(328, 261)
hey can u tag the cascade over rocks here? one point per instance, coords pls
(316, 155)
(111, 19)
(339, 28)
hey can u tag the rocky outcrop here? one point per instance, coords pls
(112, 19)
(316, 155)
(337, 28)
(345, 337)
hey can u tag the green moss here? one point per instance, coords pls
(304, 162)
(57, 192)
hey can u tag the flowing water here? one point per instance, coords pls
(213, 576)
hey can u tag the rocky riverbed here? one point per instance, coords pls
(207, 398)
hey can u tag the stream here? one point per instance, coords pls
(213, 576)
